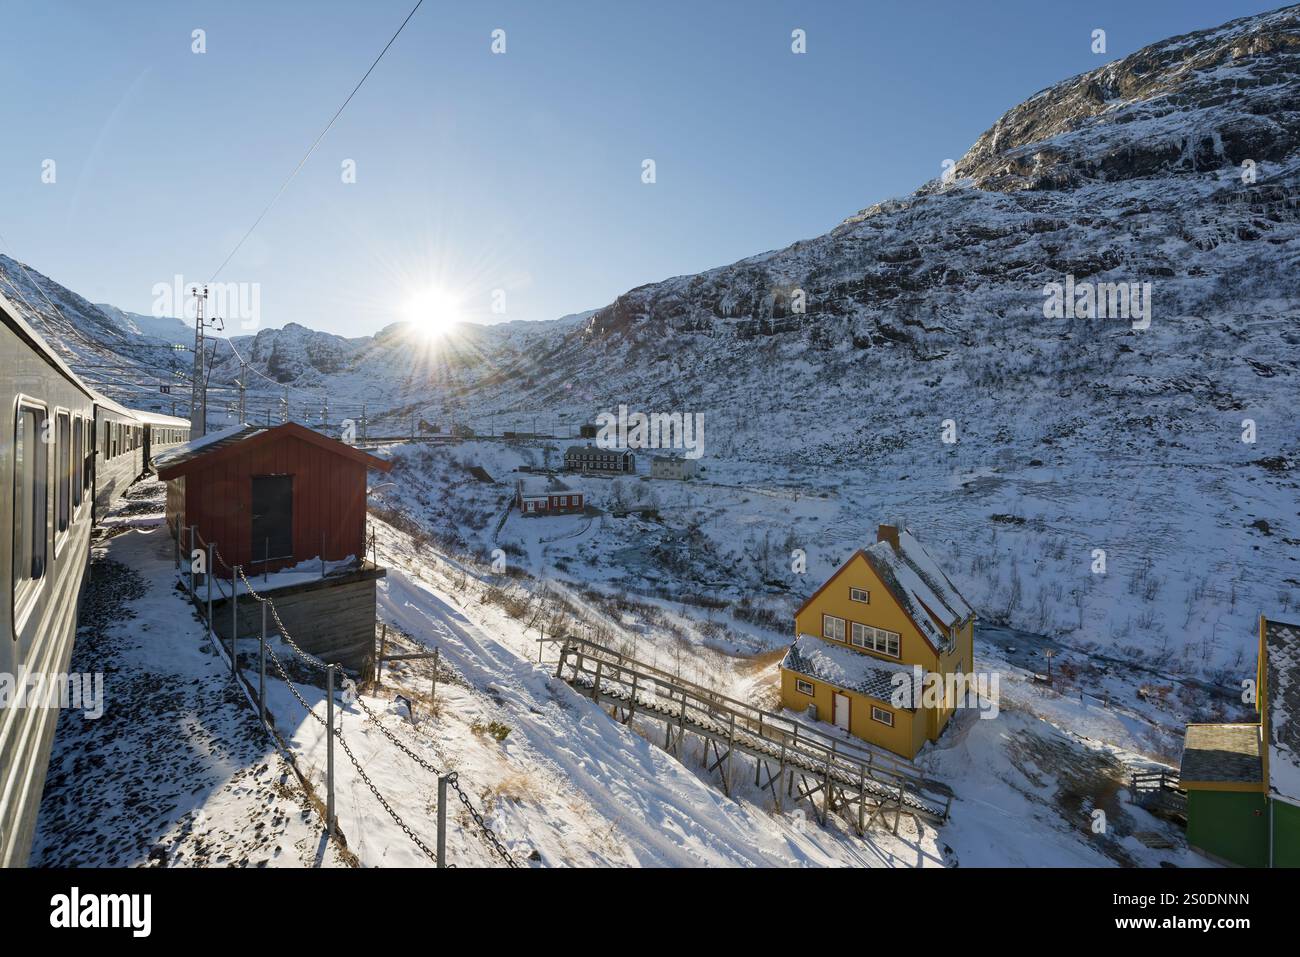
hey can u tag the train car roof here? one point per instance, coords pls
(106, 402)
(159, 418)
(20, 325)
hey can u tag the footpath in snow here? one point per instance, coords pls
(177, 771)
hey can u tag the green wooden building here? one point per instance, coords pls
(1243, 780)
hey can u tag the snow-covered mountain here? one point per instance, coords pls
(167, 328)
(840, 364)
(1164, 443)
(114, 351)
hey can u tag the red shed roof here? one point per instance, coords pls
(200, 454)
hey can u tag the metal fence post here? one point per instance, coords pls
(329, 751)
(442, 821)
(261, 670)
(234, 620)
(433, 694)
(207, 575)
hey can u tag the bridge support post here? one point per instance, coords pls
(862, 797)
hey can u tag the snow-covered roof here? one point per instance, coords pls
(168, 463)
(593, 450)
(1221, 754)
(540, 486)
(186, 450)
(917, 582)
(843, 667)
(1282, 645)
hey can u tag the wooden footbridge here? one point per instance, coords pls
(792, 760)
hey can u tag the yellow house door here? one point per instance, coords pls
(841, 702)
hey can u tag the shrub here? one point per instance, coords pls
(493, 729)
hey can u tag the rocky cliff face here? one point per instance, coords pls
(1133, 169)
(1193, 103)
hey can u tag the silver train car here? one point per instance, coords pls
(46, 479)
(66, 452)
(125, 442)
(119, 451)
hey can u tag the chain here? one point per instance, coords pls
(355, 763)
(293, 688)
(393, 738)
(284, 632)
(387, 807)
(488, 834)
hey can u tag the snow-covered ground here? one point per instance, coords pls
(177, 772)
(180, 772)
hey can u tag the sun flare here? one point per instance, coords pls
(432, 310)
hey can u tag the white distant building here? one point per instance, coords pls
(673, 467)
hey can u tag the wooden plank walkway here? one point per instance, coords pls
(799, 762)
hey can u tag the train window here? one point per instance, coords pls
(62, 471)
(75, 451)
(87, 459)
(30, 532)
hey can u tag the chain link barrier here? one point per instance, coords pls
(486, 832)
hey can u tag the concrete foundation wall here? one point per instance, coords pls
(333, 619)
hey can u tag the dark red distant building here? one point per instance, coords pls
(271, 497)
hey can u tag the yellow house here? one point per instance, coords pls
(861, 637)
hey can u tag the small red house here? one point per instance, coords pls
(546, 495)
(270, 497)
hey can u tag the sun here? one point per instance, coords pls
(432, 310)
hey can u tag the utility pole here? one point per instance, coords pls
(284, 406)
(199, 390)
(243, 375)
(363, 422)
(196, 406)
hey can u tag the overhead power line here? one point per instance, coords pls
(301, 163)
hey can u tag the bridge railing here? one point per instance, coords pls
(602, 666)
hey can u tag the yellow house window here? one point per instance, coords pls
(832, 628)
(875, 639)
(859, 594)
(803, 687)
(883, 716)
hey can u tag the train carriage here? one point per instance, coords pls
(161, 432)
(46, 483)
(119, 451)
(67, 453)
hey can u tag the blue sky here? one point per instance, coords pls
(478, 172)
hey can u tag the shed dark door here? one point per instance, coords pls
(272, 516)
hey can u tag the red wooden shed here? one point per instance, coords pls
(270, 497)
